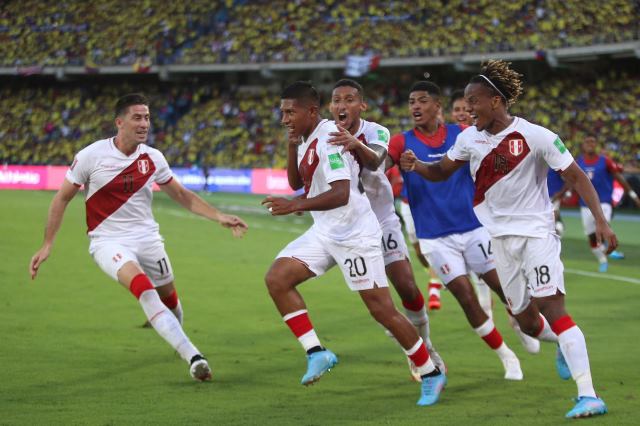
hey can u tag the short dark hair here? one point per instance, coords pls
(301, 91)
(426, 86)
(457, 94)
(129, 100)
(347, 82)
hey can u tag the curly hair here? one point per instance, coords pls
(502, 79)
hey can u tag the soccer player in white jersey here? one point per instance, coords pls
(118, 174)
(345, 232)
(509, 158)
(369, 141)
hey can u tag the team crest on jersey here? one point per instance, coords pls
(143, 166)
(310, 153)
(516, 147)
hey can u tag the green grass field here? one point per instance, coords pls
(72, 351)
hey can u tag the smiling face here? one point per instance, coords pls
(133, 125)
(423, 108)
(346, 106)
(482, 105)
(459, 112)
(298, 117)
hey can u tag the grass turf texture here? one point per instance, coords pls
(72, 351)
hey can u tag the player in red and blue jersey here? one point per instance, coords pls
(602, 171)
(450, 235)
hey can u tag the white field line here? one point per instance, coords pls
(601, 275)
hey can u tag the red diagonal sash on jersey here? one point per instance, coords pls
(308, 165)
(500, 162)
(105, 201)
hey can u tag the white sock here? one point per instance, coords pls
(599, 253)
(546, 334)
(484, 297)
(166, 324)
(574, 349)
(420, 321)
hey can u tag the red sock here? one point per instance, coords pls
(420, 357)
(170, 301)
(139, 284)
(416, 304)
(299, 323)
(562, 324)
(493, 339)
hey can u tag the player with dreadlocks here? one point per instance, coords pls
(509, 158)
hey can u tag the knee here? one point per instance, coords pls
(276, 280)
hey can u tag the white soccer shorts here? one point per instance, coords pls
(111, 255)
(528, 267)
(589, 222)
(394, 247)
(458, 254)
(407, 218)
(359, 260)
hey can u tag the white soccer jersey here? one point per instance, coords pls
(319, 164)
(118, 189)
(375, 182)
(510, 174)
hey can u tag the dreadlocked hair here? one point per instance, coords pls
(506, 80)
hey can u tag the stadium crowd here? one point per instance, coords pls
(112, 32)
(196, 124)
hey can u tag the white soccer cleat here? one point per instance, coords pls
(512, 370)
(199, 368)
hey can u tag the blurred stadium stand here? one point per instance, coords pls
(214, 69)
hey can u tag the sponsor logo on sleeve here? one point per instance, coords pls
(383, 136)
(335, 161)
(558, 143)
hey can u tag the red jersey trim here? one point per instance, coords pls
(168, 180)
(434, 141)
(499, 162)
(108, 199)
(308, 165)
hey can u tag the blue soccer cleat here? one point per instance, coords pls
(616, 255)
(587, 406)
(561, 365)
(318, 363)
(431, 388)
(603, 267)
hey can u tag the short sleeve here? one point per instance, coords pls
(554, 152)
(80, 170)
(612, 166)
(396, 147)
(163, 173)
(459, 151)
(379, 136)
(336, 165)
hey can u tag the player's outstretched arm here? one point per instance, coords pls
(437, 171)
(54, 220)
(371, 156)
(192, 202)
(575, 177)
(335, 197)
